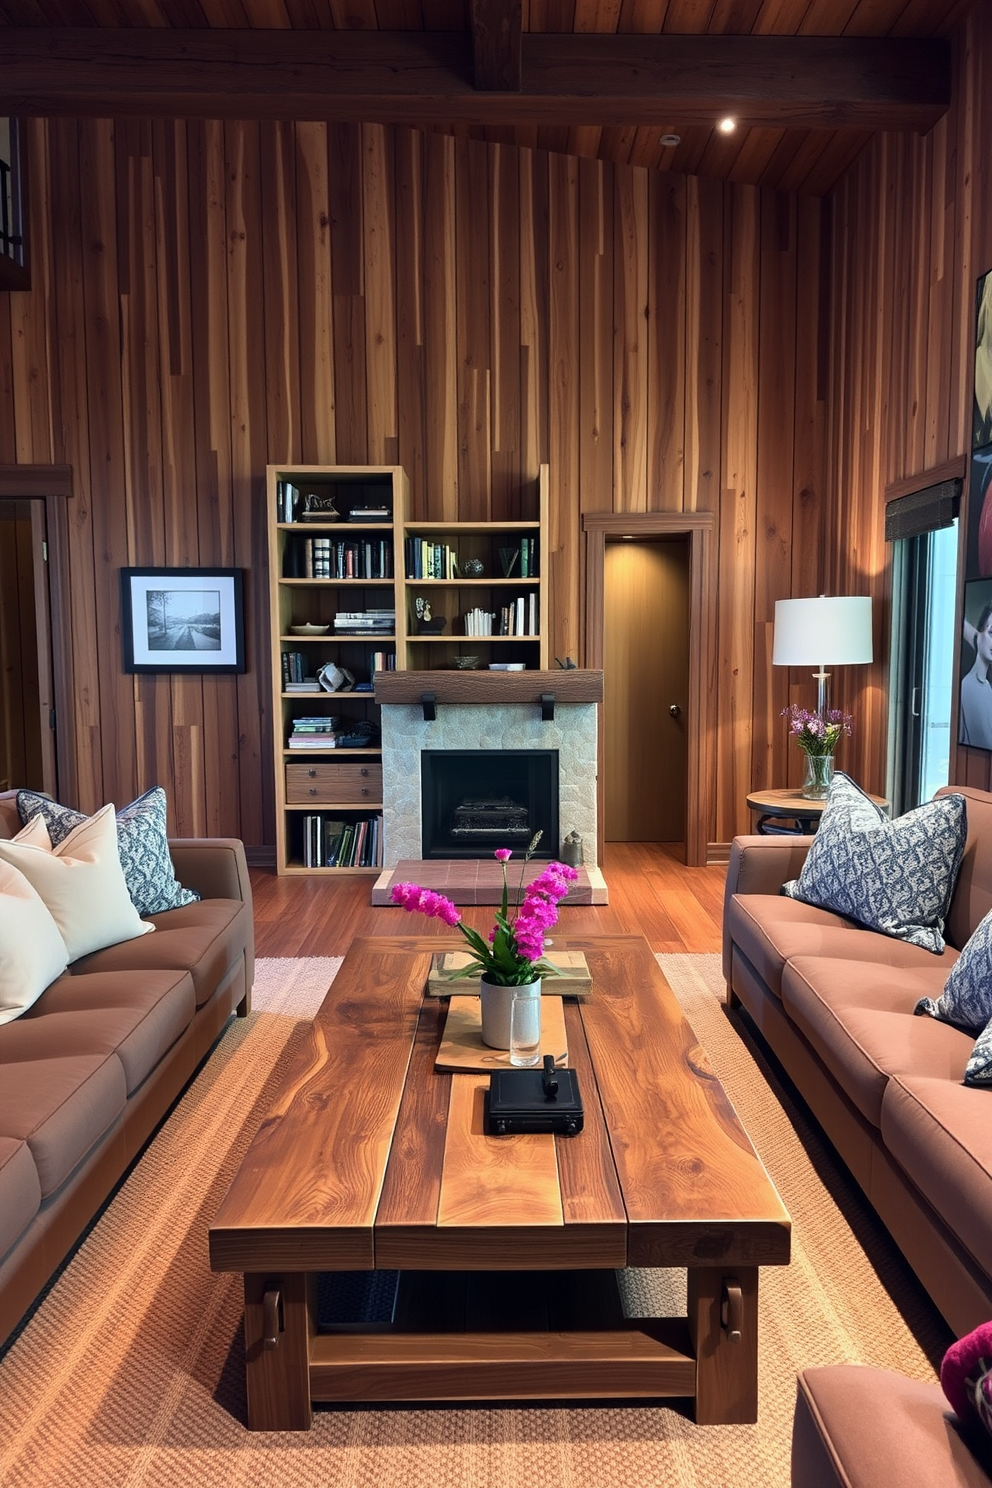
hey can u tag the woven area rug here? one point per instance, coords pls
(129, 1372)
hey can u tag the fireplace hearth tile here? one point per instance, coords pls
(479, 880)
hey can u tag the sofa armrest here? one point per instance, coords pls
(760, 865)
(216, 867)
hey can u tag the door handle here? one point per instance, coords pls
(914, 703)
(675, 710)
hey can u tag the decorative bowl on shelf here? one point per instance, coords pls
(309, 629)
(466, 663)
(472, 568)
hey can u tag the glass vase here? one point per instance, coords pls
(819, 773)
(496, 1003)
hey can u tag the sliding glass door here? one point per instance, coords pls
(922, 661)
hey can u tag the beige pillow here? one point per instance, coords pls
(32, 952)
(81, 881)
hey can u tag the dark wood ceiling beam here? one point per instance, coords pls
(496, 47)
(427, 78)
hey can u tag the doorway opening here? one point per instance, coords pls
(637, 714)
(645, 688)
(27, 715)
(37, 746)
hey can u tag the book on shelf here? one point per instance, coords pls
(293, 668)
(287, 501)
(429, 560)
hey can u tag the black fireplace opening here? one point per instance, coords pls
(475, 800)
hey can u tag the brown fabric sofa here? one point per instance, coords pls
(87, 1073)
(835, 1003)
(856, 1427)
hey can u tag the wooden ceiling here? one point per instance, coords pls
(807, 81)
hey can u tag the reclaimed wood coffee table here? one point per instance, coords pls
(507, 1247)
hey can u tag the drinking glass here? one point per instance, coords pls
(525, 1026)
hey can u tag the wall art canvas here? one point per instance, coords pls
(183, 619)
(981, 432)
(975, 696)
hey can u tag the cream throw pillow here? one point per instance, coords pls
(81, 881)
(32, 952)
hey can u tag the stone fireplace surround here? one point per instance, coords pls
(488, 710)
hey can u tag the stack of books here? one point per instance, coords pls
(365, 622)
(308, 684)
(519, 617)
(428, 560)
(478, 622)
(314, 733)
(342, 844)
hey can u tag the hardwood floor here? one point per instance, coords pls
(652, 893)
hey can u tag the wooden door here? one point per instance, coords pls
(645, 676)
(27, 740)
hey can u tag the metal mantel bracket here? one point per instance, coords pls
(547, 707)
(429, 700)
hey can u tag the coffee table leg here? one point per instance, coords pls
(278, 1374)
(726, 1367)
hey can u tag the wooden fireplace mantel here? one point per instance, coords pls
(577, 685)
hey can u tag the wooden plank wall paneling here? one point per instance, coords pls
(910, 229)
(210, 297)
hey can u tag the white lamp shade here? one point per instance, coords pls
(826, 631)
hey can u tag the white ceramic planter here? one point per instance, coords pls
(496, 1011)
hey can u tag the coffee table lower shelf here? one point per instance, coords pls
(615, 1358)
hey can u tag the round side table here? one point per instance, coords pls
(789, 813)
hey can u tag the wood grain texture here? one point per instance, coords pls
(509, 1366)
(910, 233)
(313, 1174)
(335, 292)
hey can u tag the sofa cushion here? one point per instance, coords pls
(32, 951)
(939, 1132)
(973, 893)
(896, 877)
(770, 930)
(60, 1107)
(204, 939)
(20, 1190)
(141, 841)
(139, 1019)
(861, 1428)
(860, 1022)
(80, 880)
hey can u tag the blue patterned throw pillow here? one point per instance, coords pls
(141, 840)
(966, 1000)
(893, 876)
(978, 1070)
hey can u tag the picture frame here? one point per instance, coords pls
(183, 619)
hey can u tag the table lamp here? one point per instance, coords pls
(822, 632)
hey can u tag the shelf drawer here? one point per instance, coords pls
(344, 782)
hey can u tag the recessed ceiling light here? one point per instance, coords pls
(727, 126)
(671, 139)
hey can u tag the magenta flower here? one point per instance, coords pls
(513, 953)
(411, 896)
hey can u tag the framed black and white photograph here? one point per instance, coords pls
(183, 619)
